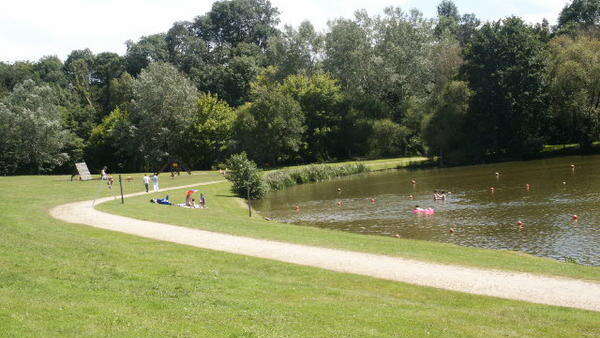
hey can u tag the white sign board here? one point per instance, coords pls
(84, 172)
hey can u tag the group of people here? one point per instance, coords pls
(439, 195)
(154, 180)
(189, 202)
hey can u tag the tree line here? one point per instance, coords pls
(231, 81)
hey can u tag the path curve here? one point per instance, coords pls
(512, 285)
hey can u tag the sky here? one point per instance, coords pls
(31, 29)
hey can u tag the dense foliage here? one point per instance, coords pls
(231, 81)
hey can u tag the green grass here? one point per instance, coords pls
(59, 279)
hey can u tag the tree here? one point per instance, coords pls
(444, 130)
(33, 138)
(110, 143)
(187, 51)
(79, 68)
(575, 89)
(162, 109)
(107, 66)
(387, 138)
(245, 176)
(580, 13)
(296, 51)
(238, 21)
(505, 67)
(210, 133)
(151, 48)
(320, 99)
(271, 127)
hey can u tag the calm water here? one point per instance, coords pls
(482, 218)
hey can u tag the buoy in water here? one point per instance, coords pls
(411, 197)
(521, 225)
(413, 181)
(492, 189)
(297, 208)
(339, 189)
(373, 201)
(340, 203)
(452, 230)
(575, 217)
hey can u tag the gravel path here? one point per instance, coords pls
(519, 286)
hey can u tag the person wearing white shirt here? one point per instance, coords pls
(147, 182)
(155, 181)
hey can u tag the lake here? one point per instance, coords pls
(543, 194)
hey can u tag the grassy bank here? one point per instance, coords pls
(59, 279)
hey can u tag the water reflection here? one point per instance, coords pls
(542, 194)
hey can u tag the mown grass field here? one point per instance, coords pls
(59, 279)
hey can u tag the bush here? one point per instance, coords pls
(245, 176)
(281, 179)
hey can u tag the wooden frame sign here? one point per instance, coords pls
(84, 172)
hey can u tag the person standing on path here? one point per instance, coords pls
(147, 182)
(155, 181)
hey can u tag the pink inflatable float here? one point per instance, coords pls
(420, 211)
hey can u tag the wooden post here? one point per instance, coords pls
(248, 199)
(121, 185)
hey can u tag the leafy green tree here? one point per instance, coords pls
(162, 110)
(444, 130)
(110, 144)
(210, 133)
(245, 176)
(320, 98)
(121, 91)
(151, 48)
(271, 127)
(575, 89)
(238, 21)
(296, 51)
(79, 67)
(187, 51)
(106, 67)
(33, 138)
(50, 70)
(580, 13)
(387, 138)
(505, 67)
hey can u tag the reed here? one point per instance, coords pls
(281, 179)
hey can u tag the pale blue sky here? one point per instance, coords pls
(30, 29)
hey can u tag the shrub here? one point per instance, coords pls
(281, 179)
(245, 176)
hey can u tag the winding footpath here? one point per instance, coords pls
(511, 285)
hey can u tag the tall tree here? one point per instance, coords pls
(584, 13)
(162, 108)
(505, 67)
(210, 134)
(575, 89)
(270, 128)
(238, 21)
(151, 48)
(33, 138)
(296, 51)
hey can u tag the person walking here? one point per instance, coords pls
(147, 182)
(155, 181)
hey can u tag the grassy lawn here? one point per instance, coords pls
(59, 279)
